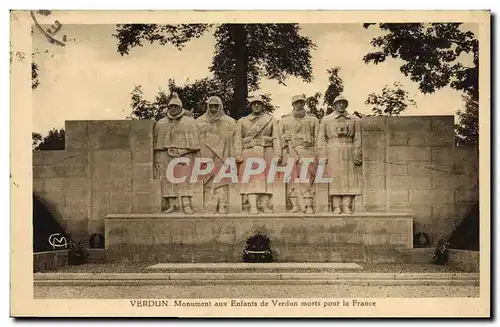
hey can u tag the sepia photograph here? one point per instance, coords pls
(251, 163)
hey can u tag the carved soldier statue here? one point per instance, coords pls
(257, 136)
(299, 132)
(175, 136)
(339, 141)
(216, 133)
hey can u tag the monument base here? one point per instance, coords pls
(158, 237)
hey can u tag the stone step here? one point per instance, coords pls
(260, 267)
(238, 278)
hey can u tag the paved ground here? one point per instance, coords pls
(251, 291)
(367, 267)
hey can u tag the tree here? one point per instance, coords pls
(37, 138)
(391, 101)
(467, 131)
(193, 98)
(432, 56)
(334, 89)
(54, 140)
(34, 75)
(244, 53)
(312, 103)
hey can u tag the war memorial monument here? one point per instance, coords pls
(185, 190)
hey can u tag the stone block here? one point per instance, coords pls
(75, 170)
(121, 185)
(419, 139)
(142, 185)
(54, 157)
(374, 168)
(37, 158)
(78, 229)
(397, 196)
(408, 183)
(100, 174)
(466, 196)
(374, 154)
(374, 182)
(55, 200)
(407, 153)
(142, 199)
(374, 139)
(142, 126)
(77, 198)
(467, 182)
(119, 141)
(76, 183)
(122, 171)
(115, 197)
(98, 136)
(75, 214)
(100, 199)
(119, 156)
(373, 124)
(443, 211)
(426, 169)
(467, 261)
(53, 185)
(398, 138)
(467, 166)
(102, 185)
(95, 226)
(397, 169)
(76, 134)
(140, 141)
(38, 185)
(431, 196)
(442, 154)
(443, 130)
(142, 155)
(442, 169)
(101, 157)
(146, 209)
(409, 123)
(142, 171)
(466, 152)
(375, 197)
(443, 183)
(121, 127)
(44, 171)
(121, 207)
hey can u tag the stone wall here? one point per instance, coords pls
(106, 167)
(410, 165)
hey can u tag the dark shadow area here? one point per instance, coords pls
(45, 226)
(466, 235)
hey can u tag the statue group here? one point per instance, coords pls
(298, 139)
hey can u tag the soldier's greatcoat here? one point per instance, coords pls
(216, 136)
(175, 137)
(339, 141)
(304, 133)
(257, 136)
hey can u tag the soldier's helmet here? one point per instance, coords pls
(340, 98)
(175, 100)
(299, 97)
(256, 98)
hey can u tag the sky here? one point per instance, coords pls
(88, 79)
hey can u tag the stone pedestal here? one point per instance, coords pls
(322, 237)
